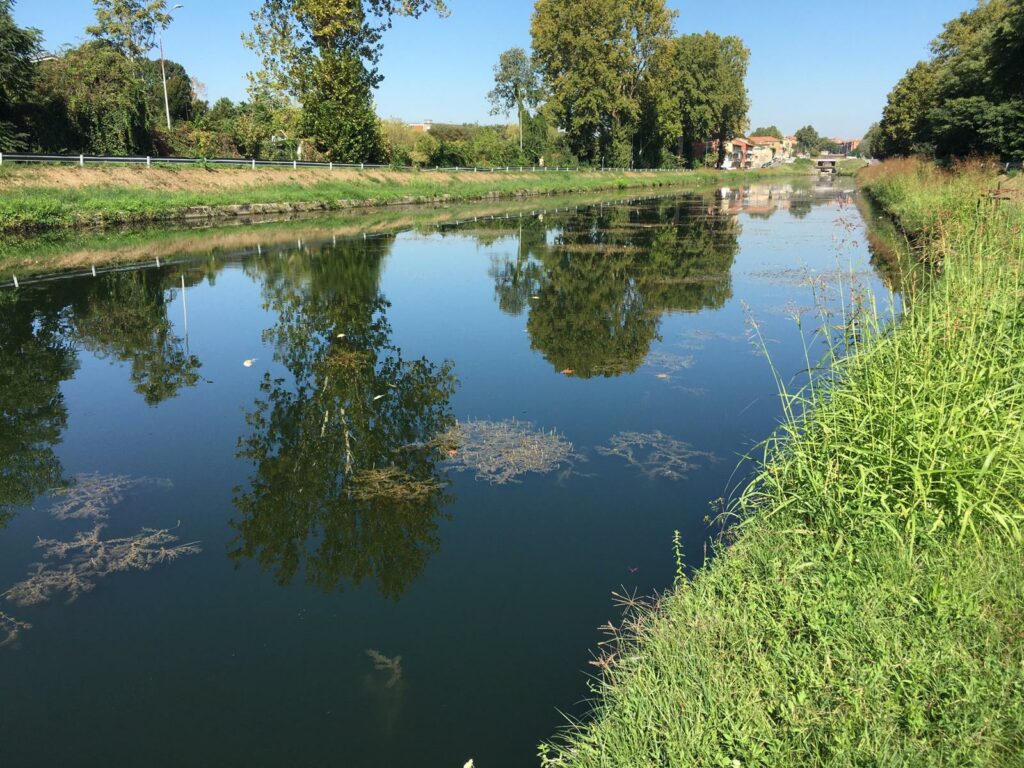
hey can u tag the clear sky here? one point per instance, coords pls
(826, 64)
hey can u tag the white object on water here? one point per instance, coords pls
(469, 764)
(378, 397)
(341, 335)
(248, 363)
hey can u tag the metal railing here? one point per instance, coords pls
(82, 160)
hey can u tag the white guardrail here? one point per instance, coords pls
(82, 160)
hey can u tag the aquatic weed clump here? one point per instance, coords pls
(90, 496)
(91, 558)
(501, 451)
(11, 628)
(655, 454)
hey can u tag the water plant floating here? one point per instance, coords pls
(91, 496)
(501, 451)
(391, 664)
(654, 453)
(90, 558)
(11, 628)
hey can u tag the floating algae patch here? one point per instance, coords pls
(501, 451)
(654, 453)
(11, 628)
(391, 483)
(90, 497)
(390, 664)
(90, 558)
(666, 363)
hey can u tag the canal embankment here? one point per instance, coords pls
(45, 198)
(865, 606)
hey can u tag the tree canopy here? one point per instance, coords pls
(18, 46)
(968, 98)
(129, 26)
(598, 61)
(704, 95)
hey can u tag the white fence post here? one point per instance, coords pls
(1, 158)
(362, 167)
(147, 161)
(254, 163)
(81, 161)
(331, 164)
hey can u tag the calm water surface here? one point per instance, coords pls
(225, 513)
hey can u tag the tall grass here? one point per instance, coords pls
(870, 608)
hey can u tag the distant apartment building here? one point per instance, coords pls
(765, 149)
(423, 127)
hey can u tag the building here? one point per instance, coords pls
(764, 150)
(737, 153)
(423, 127)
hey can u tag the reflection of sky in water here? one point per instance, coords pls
(335, 536)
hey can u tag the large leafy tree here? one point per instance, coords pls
(129, 26)
(516, 86)
(969, 97)
(18, 46)
(598, 61)
(324, 53)
(90, 99)
(705, 95)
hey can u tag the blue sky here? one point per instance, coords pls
(827, 64)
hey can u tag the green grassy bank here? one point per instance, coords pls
(38, 199)
(870, 608)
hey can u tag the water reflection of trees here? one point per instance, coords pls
(598, 286)
(345, 485)
(36, 355)
(122, 316)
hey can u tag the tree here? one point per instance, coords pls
(90, 100)
(809, 141)
(705, 95)
(870, 141)
(969, 96)
(597, 60)
(516, 86)
(129, 26)
(180, 96)
(18, 46)
(324, 54)
(771, 130)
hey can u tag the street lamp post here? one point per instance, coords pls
(163, 72)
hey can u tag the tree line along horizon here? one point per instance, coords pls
(608, 83)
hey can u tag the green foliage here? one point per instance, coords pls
(597, 61)
(338, 112)
(771, 130)
(969, 97)
(17, 48)
(180, 97)
(129, 26)
(869, 609)
(705, 95)
(516, 86)
(324, 53)
(90, 100)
